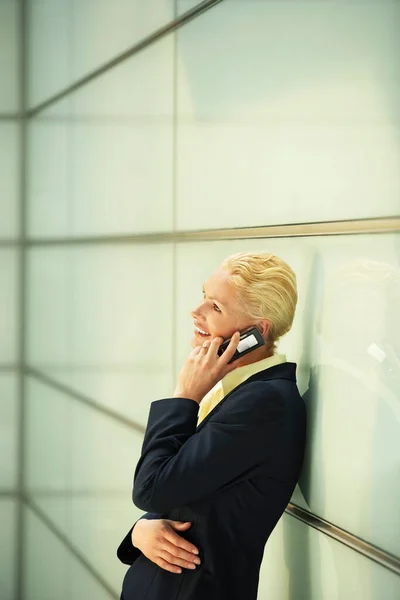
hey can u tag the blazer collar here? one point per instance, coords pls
(239, 375)
(285, 370)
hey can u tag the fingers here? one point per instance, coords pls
(230, 350)
(197, 350)
(180, 554)
(161, 562)
(172, 552)
(178, 541)
(172, 557)
(174, 561)
(166, 548)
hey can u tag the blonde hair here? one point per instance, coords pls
(266, 288)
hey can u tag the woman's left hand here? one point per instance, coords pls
(204, 368)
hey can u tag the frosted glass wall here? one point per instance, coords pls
(10, 131)
(100, 161)
(288, 113)
(84, 35)
(9, 178)
(254, 113)
(9, 57)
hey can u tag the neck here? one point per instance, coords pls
(254, 356)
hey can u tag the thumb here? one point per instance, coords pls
(180, 524)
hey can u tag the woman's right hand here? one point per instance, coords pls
(159, 542)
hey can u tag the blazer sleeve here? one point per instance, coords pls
(127, 552)
(179, 465)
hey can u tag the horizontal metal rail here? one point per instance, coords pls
(348, 227)
(383, 558)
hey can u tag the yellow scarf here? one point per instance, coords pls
(232, 380)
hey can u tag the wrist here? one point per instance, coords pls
(134, 534)
(188, 395)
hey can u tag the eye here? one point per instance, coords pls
(216, 308)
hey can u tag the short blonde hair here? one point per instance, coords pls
(266, 288)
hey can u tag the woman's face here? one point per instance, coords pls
(219, 312)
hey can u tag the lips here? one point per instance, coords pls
(202, 331)
(201, 334)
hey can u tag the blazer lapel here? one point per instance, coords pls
(285, 370)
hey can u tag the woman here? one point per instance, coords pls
(221, 475)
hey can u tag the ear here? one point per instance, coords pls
(264, 327)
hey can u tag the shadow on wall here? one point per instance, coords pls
(297, 548)
(352, 345)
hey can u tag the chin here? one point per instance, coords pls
(195, 341)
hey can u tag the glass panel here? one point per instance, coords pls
(101, 508)
(345, 339)
(9, 57)
(99, 523)
(100, 162)
(300, 562)
(8, 306)
(9, 178)
(49, 48)
(183, 6)
(8, 508)
(82, 36)
(52, 572)
(47, 562)
(48, 454)
(48, 309)
(8, 431)
(49, 183)
(47, 448)
(270, 134)
(99, 443)
(99, 320)
(84, 585)
(72, 478)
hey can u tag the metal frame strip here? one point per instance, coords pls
(345, 227)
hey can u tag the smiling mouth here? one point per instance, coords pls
(201, 332)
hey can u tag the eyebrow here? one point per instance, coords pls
(215, 299)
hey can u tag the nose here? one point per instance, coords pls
(196, 312)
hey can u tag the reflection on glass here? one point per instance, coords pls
(353, 399)
(300, 562)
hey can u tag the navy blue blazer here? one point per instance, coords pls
(232, 476)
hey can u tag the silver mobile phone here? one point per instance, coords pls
(250, 339)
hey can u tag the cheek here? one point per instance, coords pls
(219, 326)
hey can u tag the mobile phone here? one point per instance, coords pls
(250, 339)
